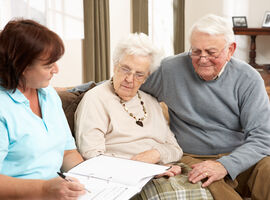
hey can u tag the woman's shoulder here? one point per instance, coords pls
(99, 93)
(4, 103)
(49, 93)
(148, 97)
(158, 107)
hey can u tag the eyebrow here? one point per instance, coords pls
(209, 49)
(126, 66)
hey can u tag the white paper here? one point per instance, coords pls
(114, 178)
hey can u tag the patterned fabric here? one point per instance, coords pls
(177, 187)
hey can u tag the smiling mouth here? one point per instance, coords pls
(205, 66)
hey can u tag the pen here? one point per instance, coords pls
(64, 177)
(169, 168)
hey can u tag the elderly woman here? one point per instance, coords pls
(117, 119)
(35, 139)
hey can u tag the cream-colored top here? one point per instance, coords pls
(102, 126)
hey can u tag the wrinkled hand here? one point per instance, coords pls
(212, 170)
(149, 156)
(61, 189)
(173, 171)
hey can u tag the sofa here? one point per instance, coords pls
(71, 97)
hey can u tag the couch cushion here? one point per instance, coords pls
(70, 101)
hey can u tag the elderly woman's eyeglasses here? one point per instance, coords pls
(211, 54)
(126, 71)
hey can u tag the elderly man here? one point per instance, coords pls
(219, 111)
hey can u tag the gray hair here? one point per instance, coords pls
(138, 44)
(214, 25)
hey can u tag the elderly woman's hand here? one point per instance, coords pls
(149, 156)
(173, 171)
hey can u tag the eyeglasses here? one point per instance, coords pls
(211, 54)
(126, 71)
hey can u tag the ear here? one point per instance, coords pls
(25, 70)
(231, 50)
(148, 74)
(114, 69)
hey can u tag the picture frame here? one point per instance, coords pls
(266, 20)
(239, 22)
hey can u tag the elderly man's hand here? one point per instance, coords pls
(212, 170)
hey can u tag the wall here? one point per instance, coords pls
(254, 11)
(70, 65)
(119, 22)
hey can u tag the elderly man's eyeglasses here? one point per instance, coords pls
(211, 54)
(139, 76)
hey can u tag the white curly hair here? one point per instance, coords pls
(138, 44)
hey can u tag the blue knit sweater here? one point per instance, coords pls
(228, 115)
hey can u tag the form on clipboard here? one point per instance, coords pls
(113, 178)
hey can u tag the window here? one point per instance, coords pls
(161, 24)
(65, 17)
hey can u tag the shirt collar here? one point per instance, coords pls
(222, 70)
(17, 96)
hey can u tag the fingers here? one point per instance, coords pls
(173, 171)
(72, 189)
(209, 181)
(167, 174)
(75, 186)
(209, 170)
(197, 173)
(198, 176)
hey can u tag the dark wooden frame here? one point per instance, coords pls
(253, 33)
(266, 20)
(237, 24)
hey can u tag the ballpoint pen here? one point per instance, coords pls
(64, 177)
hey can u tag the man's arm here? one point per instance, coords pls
(153, 84)
(254, 117)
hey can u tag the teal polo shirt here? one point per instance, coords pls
(32, 147)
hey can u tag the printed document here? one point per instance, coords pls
(113, 178)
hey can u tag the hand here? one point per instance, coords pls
(212, 170)
(173, 171)
(61, 189)
(149, 156)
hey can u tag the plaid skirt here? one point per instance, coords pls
(177, 187)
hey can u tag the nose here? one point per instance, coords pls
(55, 69)
(204, 58)
(130, 77)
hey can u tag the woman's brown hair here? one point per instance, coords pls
(22, 42)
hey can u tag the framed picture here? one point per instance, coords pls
(266, 19)
(239, 21)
